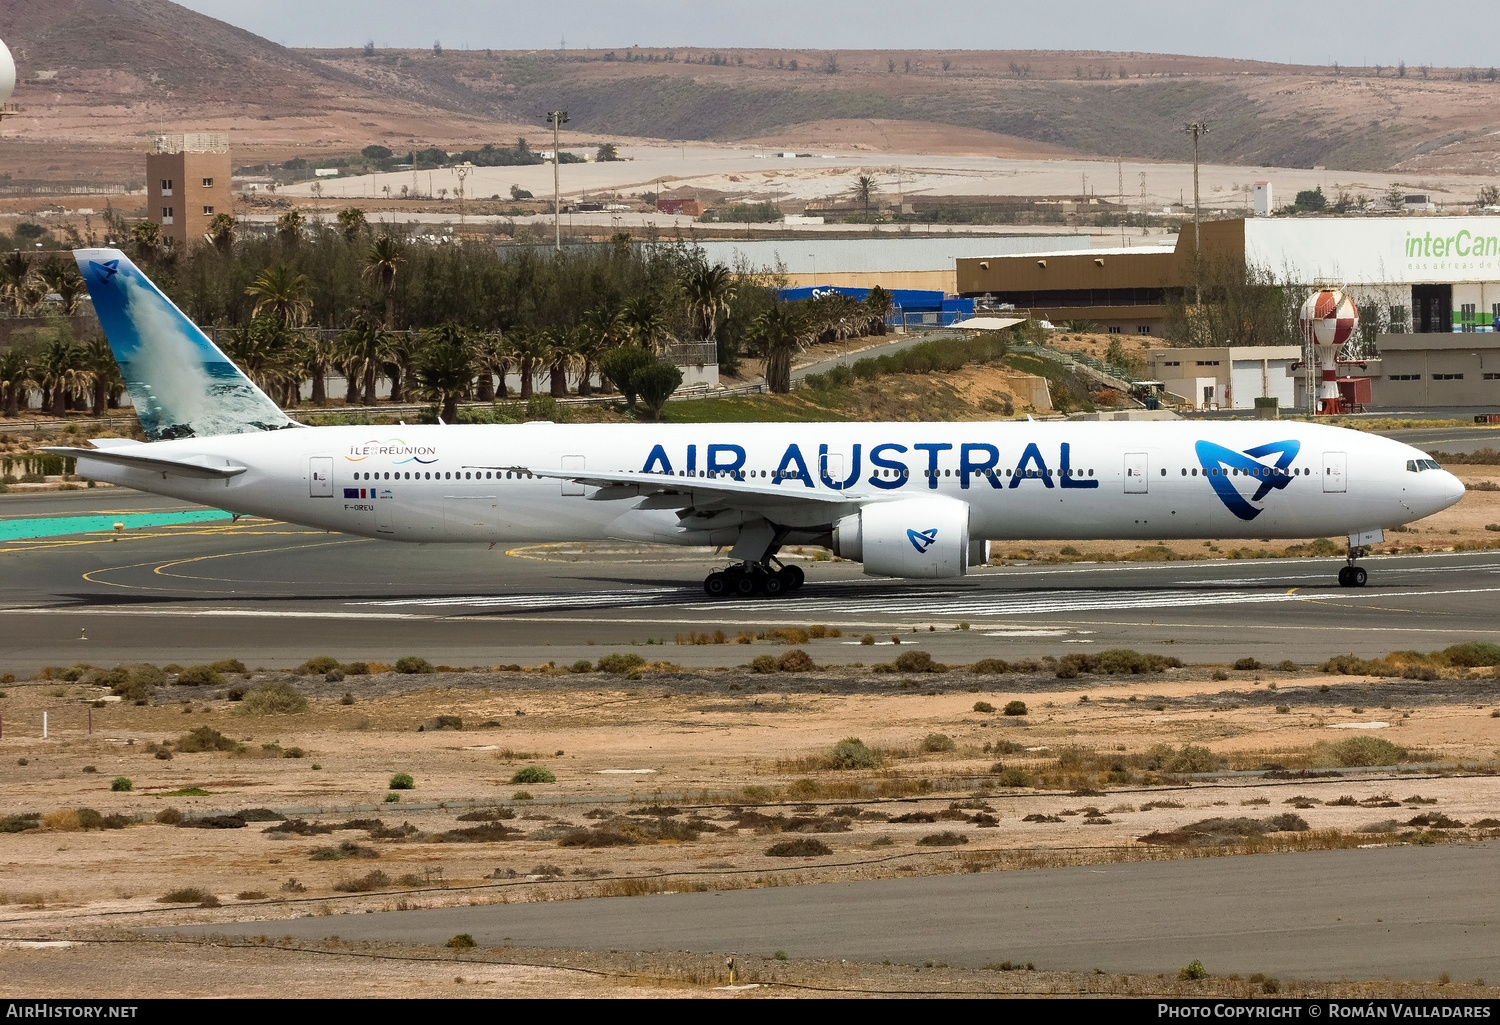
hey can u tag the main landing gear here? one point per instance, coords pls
(751, 578)
(1352, 575)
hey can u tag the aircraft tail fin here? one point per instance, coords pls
(181, 384)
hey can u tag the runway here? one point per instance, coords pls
(1395, 912)
(273, 594)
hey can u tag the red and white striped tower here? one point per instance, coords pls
(1328, 320)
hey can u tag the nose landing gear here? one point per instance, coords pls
(1352, 575)
(751, 578)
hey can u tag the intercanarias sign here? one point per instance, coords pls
(1376, 250)
(1459, 243)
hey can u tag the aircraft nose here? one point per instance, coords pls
(1451, 489)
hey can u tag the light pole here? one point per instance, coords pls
(556, 118)
(1198, 129)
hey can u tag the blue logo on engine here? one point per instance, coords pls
(922, 540)
(1221, 465)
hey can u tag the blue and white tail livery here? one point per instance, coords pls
(181, 384)
(912, 500)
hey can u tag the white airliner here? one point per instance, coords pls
(917, 500)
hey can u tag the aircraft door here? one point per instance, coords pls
(320, 477)
(572, 488)
(1136, 479)
(1334, 472)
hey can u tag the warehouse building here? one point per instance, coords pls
(1428, 290)
(915, 262)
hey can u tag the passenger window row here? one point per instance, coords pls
(444, 475)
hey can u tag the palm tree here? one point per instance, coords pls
(63, 279)
(878, 304)
(61, 372)
(352, 223)
(602, 331)
(644, 323)
(560, 354)
(263, 351)
(281, 292)
(778, 333)
(529, 350)
(18, 286)
(365, 349)
(401, 353)
(17, 377)
(865, 188)
(103, 371)
(221, 233)
(318, 357)
(709, 291)
(382, 260)
(491, 357)
(444, 371)
(289, 228)
(147, 238)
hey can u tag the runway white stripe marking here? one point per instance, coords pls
(919, 604)
(944, 603)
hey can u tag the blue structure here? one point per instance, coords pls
(911, 307)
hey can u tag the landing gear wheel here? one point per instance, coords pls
(745, 585)
(774, 585)
(715, 585)
(1344, 576)
(791, 577)
(1357, 576)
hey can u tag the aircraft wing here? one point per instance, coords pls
(676, 492)
(202, 467)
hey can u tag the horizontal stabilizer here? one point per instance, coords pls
(201, 467)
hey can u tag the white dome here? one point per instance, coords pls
(7, 73)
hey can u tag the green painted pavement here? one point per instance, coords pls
(59, 526)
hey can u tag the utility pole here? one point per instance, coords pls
(1198, 130)
(557, 118)
(1120, 185)
(462, 171)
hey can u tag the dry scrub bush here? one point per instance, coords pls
(1358, 751)
(851, 753)
(802, 847)
(276, 698)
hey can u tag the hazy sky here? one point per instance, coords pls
(1438, 32)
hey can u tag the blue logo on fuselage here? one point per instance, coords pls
(922, 540)
(1220, 464)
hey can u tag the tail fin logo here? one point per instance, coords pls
(922, 540)
(108, 268)
(1222, 465)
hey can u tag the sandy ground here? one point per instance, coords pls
(705, 770)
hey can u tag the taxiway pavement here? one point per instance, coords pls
(274, 594)
(1392, 912)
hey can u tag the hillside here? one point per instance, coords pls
(1103, 104)
(99, 75)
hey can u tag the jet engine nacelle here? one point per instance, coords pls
(913, 537)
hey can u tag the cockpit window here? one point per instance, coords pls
(1418, 465)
